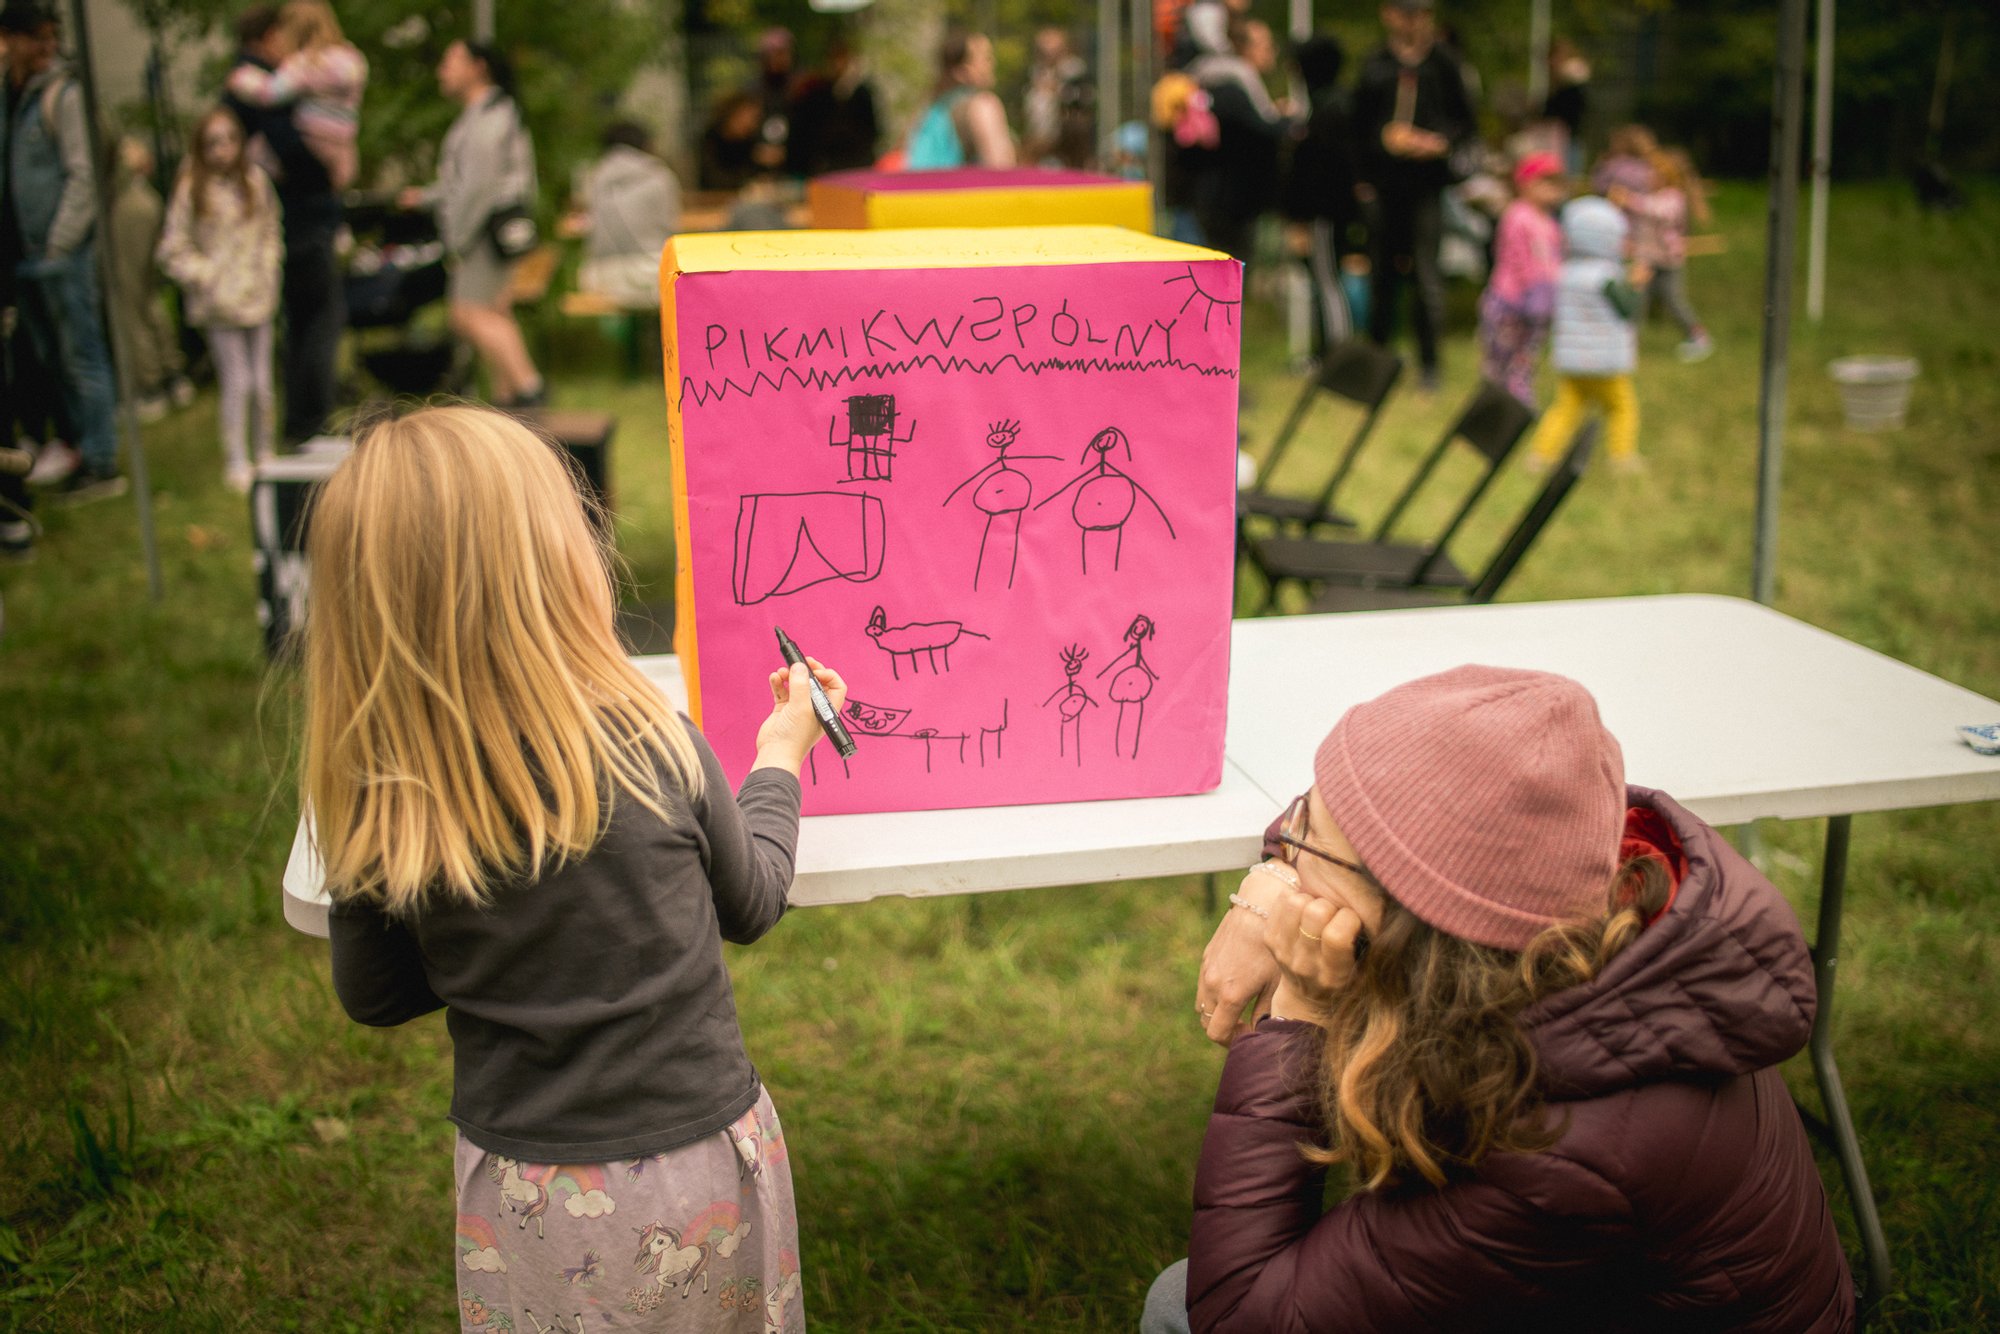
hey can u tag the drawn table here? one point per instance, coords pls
(1737, 711)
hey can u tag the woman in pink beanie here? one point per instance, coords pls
(1535, 1017)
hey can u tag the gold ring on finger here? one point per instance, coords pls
(1307, 934)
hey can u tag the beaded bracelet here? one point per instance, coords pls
(1279, 871)
(1238, 901)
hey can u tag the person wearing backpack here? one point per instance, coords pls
(48, 242)
(486, 169)
(965, 125)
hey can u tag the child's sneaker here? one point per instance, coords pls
(1696, 348)
(151, 407)
(17, 540)
(55, 463)
(88, 484)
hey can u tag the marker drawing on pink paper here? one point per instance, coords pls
(961, 484)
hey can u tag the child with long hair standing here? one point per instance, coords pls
(518, 829)
(220, 242)
(1676, 200)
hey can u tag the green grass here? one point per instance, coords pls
(996, 1112)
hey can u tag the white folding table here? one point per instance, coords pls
(1737, 711)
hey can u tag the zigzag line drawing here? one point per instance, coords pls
(701, 392)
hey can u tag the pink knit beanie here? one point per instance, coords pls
(1489, 801)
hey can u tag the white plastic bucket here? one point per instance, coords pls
(1874, 391)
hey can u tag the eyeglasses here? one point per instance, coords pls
(1293, 823)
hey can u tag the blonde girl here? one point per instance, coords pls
(1533, 1017)
(518, 829)
(221, 243)
(324, 74)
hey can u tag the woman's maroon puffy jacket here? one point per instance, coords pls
(1682, 1194)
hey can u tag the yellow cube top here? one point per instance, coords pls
(921, 248)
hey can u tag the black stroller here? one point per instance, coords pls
(395, 270)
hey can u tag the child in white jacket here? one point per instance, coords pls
(1594, 347)
(221, 244)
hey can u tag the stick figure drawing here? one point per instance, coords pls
(1133, 683)
(1001, 492)
(871, 437)
(1106, 495)
(1075, 699)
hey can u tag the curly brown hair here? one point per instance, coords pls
(1425, 1068)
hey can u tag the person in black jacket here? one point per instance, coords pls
(1318, 196)
(1411, 110)
(1239, 181)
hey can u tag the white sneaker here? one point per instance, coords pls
(1698, 348)
(150, 408)
(54, 464)
(237, 477)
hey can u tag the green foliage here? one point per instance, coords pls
(571, 60)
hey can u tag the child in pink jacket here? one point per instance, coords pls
(1519, 302)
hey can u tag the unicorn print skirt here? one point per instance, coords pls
(701, 1238)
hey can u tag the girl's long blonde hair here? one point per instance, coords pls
(470, 714)
(310, 24)
(1426, 1068)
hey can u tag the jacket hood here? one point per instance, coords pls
(623, 164)
(1208, 28)
(1593, 228)
(1720, 985)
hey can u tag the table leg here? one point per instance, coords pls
(1839, 1123)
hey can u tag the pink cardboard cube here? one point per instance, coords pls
(988, 475)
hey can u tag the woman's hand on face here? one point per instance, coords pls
(1311, 941)
(1237, 968)
(791, 729)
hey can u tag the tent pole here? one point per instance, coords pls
(1787, 106)
(1107, 71)
(121, 359)
(1142, 66)
(1822, 163)
(1538, 55)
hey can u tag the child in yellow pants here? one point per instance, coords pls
(1594, 347)
(1611, 395)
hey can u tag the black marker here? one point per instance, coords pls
(829, 721)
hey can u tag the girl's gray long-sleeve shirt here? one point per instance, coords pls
(590, 1013)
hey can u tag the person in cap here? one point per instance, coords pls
(1534, 1016)
(1520, 298)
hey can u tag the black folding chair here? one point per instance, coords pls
(1357, 371)
(1347, 597)
(1492, 423)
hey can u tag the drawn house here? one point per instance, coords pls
(789, 542)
